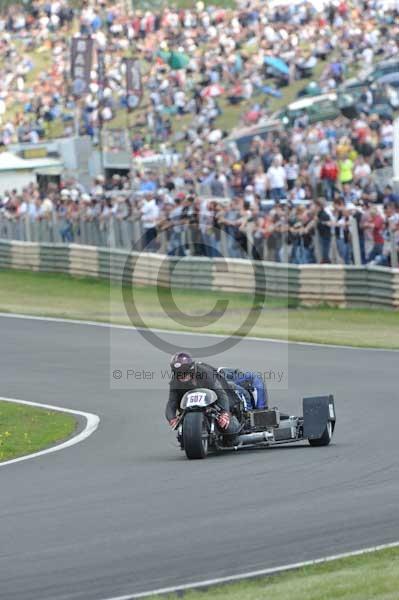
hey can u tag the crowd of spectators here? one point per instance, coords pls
(170, 220)
(289, 196)
(226, 51)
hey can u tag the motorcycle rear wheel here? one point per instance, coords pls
(195, 435)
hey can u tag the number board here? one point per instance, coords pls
(196, 399)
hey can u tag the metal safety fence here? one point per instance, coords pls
(129, 233)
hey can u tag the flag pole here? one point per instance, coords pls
(101, 85)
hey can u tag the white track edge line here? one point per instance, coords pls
(92, 422)
(254, 574)
(187, 333)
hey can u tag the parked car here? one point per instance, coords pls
(391, 79)
(316, 108)
(383, 68)
(361, 84)
(356, 97)
(243, 137)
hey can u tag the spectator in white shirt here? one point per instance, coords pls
(361, 171)
(277, 180)
(149, 219)
(387, 134)
(291, 171)
(260, 182)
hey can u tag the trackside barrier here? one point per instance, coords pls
(338, 285)
(126, 233)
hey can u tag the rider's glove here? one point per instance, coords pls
(174, 422)
(223, 420)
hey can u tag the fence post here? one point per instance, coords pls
(40, 230)
(16, 235)
(80, 229)
(28, 234)
(250, 240)
(396, 154)
(14, 229)
(129, 224)
(317, 250)
(96, 232)
(163, 242)
(49, 229)
(284, 248)
(112, 237)
(223, 242)
(335, 256)
(5, 229)
(394, 247)
(34, 230)
(84, 238)
(125, 238)
(56, 228)
(266, 253)
(138, 235)
(357, 257)
(92, 229)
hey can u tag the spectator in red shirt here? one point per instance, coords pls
(376, 225)
(343, 9)
(328, 176)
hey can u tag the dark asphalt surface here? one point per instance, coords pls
(125, 512)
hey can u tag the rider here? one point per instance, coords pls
(188, 374)
(250, 381)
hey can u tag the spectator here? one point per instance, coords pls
(376, 225)
(389, 196)
(362, 171)
(291, 172)
(328, 176)
(345, 166)
(277, 179)
(324, 222)
(149, 216)
(342, 231)
(175, 217)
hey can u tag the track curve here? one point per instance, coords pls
(124, 512)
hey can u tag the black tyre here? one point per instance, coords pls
(195, 435)
(326, 438)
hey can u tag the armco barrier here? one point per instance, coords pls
(319, 284)
(308, 284)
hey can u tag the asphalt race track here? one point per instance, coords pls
(125, 512)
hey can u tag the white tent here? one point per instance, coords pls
(10, 162)
(16, 172)
(388, 4)
(318, 4)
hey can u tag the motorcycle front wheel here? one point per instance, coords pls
(195, 435)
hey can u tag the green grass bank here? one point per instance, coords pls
(25, 429)
(370, 577)
(89, 299)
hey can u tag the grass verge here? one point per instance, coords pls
(24, 429)
(90, 299)
(370, 577)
